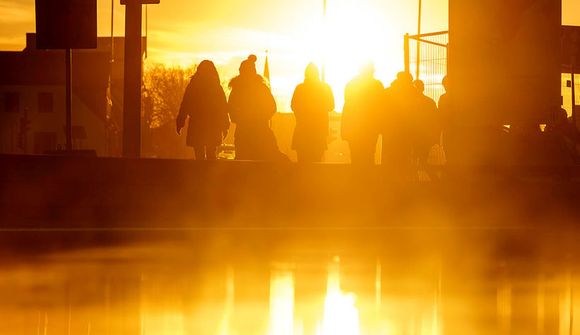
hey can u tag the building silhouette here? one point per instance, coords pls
(32, 98)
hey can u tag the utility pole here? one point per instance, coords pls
(407, 53)
(133, 77)
(68, 94)
(325, 41)
(418, 72)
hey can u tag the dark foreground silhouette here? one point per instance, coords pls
(311, 103)
(204, 103)
(251, 107)
(416, 133)
(361, 114)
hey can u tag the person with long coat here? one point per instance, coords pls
(363, 100)
(425, 124)
(311, 103)
(204, 103)
(251, 107)
(397, 125)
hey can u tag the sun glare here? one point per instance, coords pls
(282, 303)
(352, 34)
(341, 316)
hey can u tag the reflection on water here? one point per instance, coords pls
(229, 302)
(340, 313)
(282, 301)
(171, 289)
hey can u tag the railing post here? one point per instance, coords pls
(407, 54)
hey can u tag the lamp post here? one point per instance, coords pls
(324, 42)
(133, 77)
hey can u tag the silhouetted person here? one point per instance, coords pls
(564, 131)
(560, 123)
(425, 124)
(311, 103)
(397, 125)
(204, 103)
(251, 106)
(361, 115)
(444, 110)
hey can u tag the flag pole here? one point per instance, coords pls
(324, 37)
(112, 29)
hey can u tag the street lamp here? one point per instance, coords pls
(133, 77)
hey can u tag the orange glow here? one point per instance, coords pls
(341, 316)
(354, 33)
(282, 302)
(351, 34)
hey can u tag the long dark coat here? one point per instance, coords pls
(251, 106)
(363, 104)
(206, 106)
(311, 103)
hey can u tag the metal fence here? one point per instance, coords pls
(426, 59)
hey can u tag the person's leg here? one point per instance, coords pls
(362, 154)
(309, 156)
(210, 152)
(369, 154)
(242, 153)
(199, 152)
(359, 154)
(354, 154)
(423, 153)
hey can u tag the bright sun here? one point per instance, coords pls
(351, 34)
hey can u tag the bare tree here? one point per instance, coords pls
(164, 87)
(163, 91)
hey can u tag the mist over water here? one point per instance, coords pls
(384, 281)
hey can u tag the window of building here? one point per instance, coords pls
(45, 102)
(11, 102)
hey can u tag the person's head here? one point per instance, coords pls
(311, 73)
(561, 116)
(248, 66)
(405, 78)
(367, 69)
(419, 85)
(445, 83)
(206, 70)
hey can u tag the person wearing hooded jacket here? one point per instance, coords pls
(363, 100)
(397, 125)
(251, 107)
(204, 103)
(426, 130)
(311, 103)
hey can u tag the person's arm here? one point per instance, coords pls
(224, 119)
(329, 104)
(232, 106)
(270, 106)
(297, 102)
(329, 99)
(184, 109)
(345, 116)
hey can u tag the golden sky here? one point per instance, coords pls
(184, 32)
